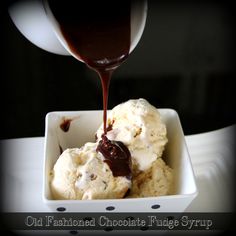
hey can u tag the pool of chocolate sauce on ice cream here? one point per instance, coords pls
(99, 33)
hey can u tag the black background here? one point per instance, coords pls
(185, 61)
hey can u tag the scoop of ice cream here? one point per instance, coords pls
(155, 181)
(81, 173)
(138, 125)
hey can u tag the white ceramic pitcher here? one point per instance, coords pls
(31, 20)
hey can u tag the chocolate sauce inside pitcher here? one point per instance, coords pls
(99, 33)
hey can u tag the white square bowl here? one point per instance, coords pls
(82, 129)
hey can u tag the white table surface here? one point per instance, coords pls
(211, 154)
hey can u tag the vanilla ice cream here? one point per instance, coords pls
(138, 125)
(139, 136)
(81, 173)
(155, 181)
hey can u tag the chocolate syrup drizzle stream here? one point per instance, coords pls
(105, 77)
(98, 33)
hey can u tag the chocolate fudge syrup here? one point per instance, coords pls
(116, 155)
(98, 33)
(61, 149)
(65, 125)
